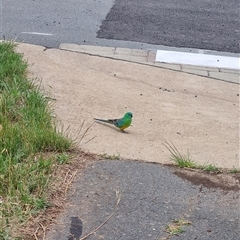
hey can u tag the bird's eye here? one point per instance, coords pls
(129, 114)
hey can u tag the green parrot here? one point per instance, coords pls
(120, 123)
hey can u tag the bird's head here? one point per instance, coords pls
(128, 115)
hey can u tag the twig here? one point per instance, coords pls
(44, 231)
(35, 234)
(118, 195)
(66, 176)
(69, 182)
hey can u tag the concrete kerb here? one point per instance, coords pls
(147, 57)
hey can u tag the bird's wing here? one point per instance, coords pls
(119, 122)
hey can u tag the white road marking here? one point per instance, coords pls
(198, 59)
(38, 33)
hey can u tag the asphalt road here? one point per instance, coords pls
(152, 197)
(152, 24)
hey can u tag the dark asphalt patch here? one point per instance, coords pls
(152, 197)
(75, 229)
(204, 24)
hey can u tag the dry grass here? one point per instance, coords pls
(63, 176)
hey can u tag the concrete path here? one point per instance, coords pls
(199, 115)
(143, 200)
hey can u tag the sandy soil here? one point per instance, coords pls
(197, 114)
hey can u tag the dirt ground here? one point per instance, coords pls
(196, 114)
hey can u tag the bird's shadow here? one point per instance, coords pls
(112, 127)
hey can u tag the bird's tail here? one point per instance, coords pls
(104, 120)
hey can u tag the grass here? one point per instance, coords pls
(110, 157)
(27, 133)
(234, 170)
(211, 168)
(177, 226)
(63, 158)
(184, 161)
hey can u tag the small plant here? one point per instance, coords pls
(177, 226)
(184, 161)
(63, 158)
(181, 160)
(110, 157)
(234, 170)
(211, 168)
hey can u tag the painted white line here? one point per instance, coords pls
(198, 59)
(38, 33)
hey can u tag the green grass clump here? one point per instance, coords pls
(184, 161)
(110, 157)
(27, 132)
(181, 160)
(211, 168)
(234, 170)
